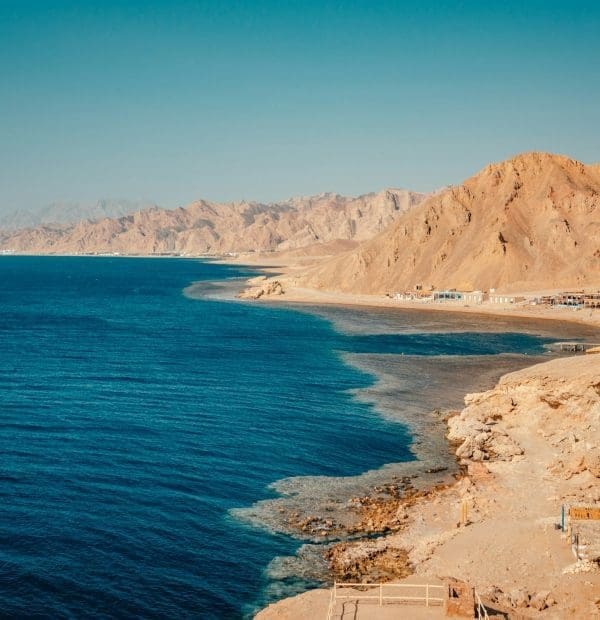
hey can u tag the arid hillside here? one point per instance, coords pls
(532, 222)
(211, 228)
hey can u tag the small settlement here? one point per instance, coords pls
(568, 299)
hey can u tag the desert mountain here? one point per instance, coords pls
(58, 214)
(212, 228)
(532, 222)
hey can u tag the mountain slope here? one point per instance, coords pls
(211, 228)
(530, 222)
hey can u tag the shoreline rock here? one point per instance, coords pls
(526, 447)
(262, 287)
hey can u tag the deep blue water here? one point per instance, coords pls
(132, 419)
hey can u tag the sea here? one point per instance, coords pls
(150, 423)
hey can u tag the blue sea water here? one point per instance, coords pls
(133, 419)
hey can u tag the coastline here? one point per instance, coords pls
(284, 270)
(315, 297)
(521, 460)
(298, 295)
(427, 506)
(355, 560)
(390, 556)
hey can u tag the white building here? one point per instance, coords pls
(498, 298)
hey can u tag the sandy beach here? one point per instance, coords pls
(313, 296)
(280, 284)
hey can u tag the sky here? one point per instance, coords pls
(262, 100)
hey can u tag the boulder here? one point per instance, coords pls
(539, 600)
(518, 598)
(503, 447)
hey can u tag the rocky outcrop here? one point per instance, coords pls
(373, 562)
(475, 430)
(537, 433)
(261, 287)
(562, 406)
(518, 598)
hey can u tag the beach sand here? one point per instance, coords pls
(300, 295)
(285, 268)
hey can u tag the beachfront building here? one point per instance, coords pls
(406, 296)
(474, 297)
(413, 296)
(448, 295)
(465, 297)
(503, 298)
(591, 300)
(577, 299)
(570, 299)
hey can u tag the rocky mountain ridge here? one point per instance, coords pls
(211, 228)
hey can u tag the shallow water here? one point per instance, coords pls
(137, 423)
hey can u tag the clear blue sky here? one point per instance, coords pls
(177, 100)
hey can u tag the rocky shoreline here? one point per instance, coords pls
(525, 448)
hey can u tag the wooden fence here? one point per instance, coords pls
(407, 593)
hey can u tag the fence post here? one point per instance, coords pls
(380, 594)
(427, 595)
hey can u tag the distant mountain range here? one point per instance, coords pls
(59, 214)
(213, 228)
(531, 222)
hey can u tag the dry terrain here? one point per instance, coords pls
(61, 214)
(278, 289)
(208, 228)
(528, 446)
(531, 222)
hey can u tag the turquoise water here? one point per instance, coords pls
(134, 419)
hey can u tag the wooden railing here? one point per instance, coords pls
(426, 594)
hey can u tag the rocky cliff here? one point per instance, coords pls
(528, 446)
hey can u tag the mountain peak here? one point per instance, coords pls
(533, 162)
(532, 221)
